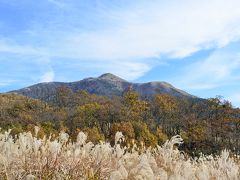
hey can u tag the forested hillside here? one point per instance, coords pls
(207, 126)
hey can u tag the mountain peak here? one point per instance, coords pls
(105, 85)
(111, 77)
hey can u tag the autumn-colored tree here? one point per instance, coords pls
(208, 125)
(134, 109)
(166, 110)
(125, 127)
(63, 97)
(48, 128)
(85, 116)
(143, 134)
(161, 136)
(93, 134)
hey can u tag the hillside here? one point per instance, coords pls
(106, 85)
(18, 110)
(207, 126)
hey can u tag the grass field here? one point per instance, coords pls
(27, 157)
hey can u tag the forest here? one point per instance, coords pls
(206, 125)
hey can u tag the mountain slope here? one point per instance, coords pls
(106, 85)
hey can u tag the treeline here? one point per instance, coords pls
(206, 126)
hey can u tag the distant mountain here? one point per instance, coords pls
(106, 85)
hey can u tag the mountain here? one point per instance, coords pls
(106, 85)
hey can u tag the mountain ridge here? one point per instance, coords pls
(106, 84)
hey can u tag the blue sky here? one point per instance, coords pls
(194, 45)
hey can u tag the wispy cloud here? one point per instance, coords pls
(6, 82)
(122, 37)
(146, 30)
(125, 69)
(234, 99)
(57, 3)
(219, 69)
(14, 48)
(47, 77)
(177, 29)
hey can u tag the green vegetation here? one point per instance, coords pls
(207, 126)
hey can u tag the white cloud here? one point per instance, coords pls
(219, 69)
(176, 28)
(58, 3)
(234, 99)
(146, 29)
(47, 77)
(7, 46)
(6, 82)
(124, 69)
(149, 30)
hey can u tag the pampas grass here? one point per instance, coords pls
(27, 157)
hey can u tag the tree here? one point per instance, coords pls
(63, 97)
(166, 109)
(125, 127)
(143, 134)
(161, 136)
(134, 109)
(86, 116)
(93, 134)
